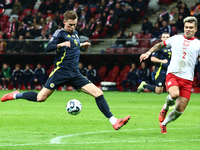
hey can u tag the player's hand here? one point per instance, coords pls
(67, 44)
(144, 57)
(85, 45)
(165, 61)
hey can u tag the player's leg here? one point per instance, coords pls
(141, 86)
(25, 83)
(14, 83)
(1, 83)
(7, 80)
(32, 84)
(124, 84)
(30, 95)
(91, 89)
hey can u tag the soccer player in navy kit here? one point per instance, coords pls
(162, 59)
(67, 46)
(28, 75)
(17, 77)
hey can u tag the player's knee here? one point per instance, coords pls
(174, 95)
(41, 98)
(98, 93)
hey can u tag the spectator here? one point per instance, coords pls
(28, 45)
(20, 44)
(85, 34)
(39, 76)
(118, 11)
(51, 8)
(120, 42)
(3, 35)
(17, 8)
(51, 25)
(182, 12)
(143, 74)
(164, 14)
(82, 23)
(165, 28)
(28, 75)
(61, 7)
(71, 4)
(28, 19)
(42, 22)
(103, 19)
(110, 23)
(28, 3)
(146, 26)
(38, 17)
(131, 2)
(101, 7)
(186, 9)
(83, 15)
(1, 81)
(139, 6)
(156, 31)
(111, 4)
(13, 26)
(179, 24)
(17, 77)
(57, 18)
(39, 45)
(43, 7)
(8, 4)
(173, 17)
(20, 31)
(128, 11)
(77, 9)
(3, 45)
(92, 24)
(7, 74)
(37, 31)
(83, 70)
(11, 47)
(159, 21)
(132, 77)
(92, 74)
(131, 40)
(30, 29)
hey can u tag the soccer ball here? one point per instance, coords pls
(74, 107)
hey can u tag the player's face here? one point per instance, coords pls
(70, 25)
(164, 37)
(189, 29)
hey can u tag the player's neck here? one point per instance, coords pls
(192, 38)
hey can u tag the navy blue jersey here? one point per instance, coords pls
(28, 74)
(66, 57)
(133, 75)
(39, 73)
(163, 53)
(83, 71)
(18, 74)
(91, 75)
(143, 74)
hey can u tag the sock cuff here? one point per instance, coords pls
(178, 112)
(99, 97)
(169, 97)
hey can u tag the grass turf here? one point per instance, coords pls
(44, 126)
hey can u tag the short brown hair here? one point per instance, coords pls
(70, 15)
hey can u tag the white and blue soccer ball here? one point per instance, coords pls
(74, 107)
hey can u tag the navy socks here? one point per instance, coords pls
(151, 88)
(103, 106)
(31, 96)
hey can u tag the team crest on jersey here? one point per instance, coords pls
(73, 36)
(168, 83)
(160, 83)
(52, 85)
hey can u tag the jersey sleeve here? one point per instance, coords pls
(155, 54)
(170, 40)
(56, 38)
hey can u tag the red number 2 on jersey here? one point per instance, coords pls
(184, 53)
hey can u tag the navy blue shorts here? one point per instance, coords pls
(60, 78)
(160, 79)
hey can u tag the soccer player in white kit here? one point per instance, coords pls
(180, 72)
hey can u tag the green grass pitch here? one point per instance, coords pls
(28, 125)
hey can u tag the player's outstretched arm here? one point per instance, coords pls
(156, 47)
(85, 44)
(52, 47)
(156, 60)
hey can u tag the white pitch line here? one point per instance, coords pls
(58, 139)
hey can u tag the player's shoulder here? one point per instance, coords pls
(58, 31)
(75, 32)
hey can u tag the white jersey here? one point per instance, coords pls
(184, 55)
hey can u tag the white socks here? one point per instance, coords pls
(168, 102)
(113, 120)
(173, 115)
